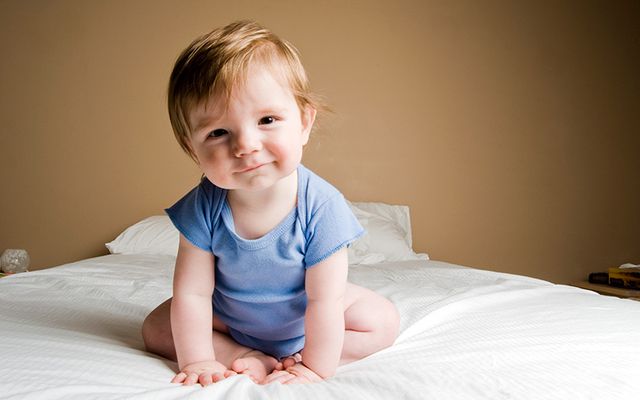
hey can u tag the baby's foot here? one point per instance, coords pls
(288, 362)
(255, 364)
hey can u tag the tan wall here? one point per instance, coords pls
(511, 128)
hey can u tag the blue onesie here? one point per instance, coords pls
(259, 292)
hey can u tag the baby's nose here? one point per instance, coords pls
(246, 142)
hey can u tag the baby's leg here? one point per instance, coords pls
(371, 323)
(158, 339)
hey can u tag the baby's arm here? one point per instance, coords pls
(191, 316)
(325, 284)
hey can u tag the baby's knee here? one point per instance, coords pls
(155, 333)
(389, 324)
(148, 333)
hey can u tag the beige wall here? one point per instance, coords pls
(511, 128)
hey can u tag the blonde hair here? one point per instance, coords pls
(219, 61)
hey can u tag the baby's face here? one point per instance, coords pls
(255, 138)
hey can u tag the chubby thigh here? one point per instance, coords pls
(359, 306)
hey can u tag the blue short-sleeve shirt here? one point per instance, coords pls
(259, 291)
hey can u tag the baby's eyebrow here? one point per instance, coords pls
(203, 122)
(271, 110)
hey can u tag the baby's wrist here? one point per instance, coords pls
(197, 364)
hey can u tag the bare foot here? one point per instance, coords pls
(288, 362)
(255, 364)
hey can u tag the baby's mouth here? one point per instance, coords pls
(250, 168)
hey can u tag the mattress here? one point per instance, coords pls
(73, 332)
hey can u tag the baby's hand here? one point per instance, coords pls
(292, 373)
(203, 372)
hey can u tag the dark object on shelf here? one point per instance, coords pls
(628, 278)
(599, 277)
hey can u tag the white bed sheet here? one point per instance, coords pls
(72, 332)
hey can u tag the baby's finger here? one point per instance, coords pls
(205, 379)
(297, 379)
(286, 380)
(283, 379)
(179, 378)
(275, 376)
(229, 373)
(191, 379)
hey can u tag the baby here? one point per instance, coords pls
(260, 285)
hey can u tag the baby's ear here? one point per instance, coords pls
(308, 115)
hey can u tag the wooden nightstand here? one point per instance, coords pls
(609, 290)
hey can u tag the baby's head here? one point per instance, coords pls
(216, 63)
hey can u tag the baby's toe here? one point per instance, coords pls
(240, 365)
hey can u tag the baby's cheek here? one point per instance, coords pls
(290, 151)
(220, 181)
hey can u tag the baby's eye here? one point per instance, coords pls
(218, 132)
(267, 120)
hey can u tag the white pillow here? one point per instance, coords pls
(153, 235)
(388, 236)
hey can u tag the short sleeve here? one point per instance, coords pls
(194, 214)
(331, 227)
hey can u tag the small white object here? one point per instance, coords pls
(14, 260)
(629, 265)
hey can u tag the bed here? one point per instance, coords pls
(73, 331)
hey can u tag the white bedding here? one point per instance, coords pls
(72, 332)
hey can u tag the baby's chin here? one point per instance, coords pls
(254, 184)
(258, 180)
(258, 183)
